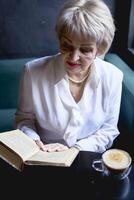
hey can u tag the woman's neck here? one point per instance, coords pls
(78, 79)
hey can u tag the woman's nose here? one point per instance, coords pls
(74, 55)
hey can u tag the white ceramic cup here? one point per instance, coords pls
(114, 163)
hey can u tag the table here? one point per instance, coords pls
(79, 181)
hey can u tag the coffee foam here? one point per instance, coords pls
(116, 159)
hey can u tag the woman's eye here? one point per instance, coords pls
(66, 46)
(86, 50)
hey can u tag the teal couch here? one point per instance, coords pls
(10, 71)
(126, 118)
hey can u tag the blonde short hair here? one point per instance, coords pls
(88, 18)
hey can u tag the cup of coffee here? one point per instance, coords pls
(114, 163)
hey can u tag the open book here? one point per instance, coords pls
(19, 150)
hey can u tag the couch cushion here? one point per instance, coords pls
(10, 71)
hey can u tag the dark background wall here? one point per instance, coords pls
(27, 27)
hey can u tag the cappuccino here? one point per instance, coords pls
(116, 159)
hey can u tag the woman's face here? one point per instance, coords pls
(78, 54)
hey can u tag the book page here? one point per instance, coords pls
(62, 158)
(20, 143)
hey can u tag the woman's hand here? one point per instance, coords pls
(51, 147)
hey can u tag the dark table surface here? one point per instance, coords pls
(79, 181)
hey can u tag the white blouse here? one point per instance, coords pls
(47, 110)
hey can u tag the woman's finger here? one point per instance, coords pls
(41, 145)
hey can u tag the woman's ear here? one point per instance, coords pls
(102, 56)
(100, 53)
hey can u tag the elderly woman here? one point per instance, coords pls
(72, 99)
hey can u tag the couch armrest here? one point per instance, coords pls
(7, 119)
(126, 118)
(128, 79)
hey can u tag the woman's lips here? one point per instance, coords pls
(73, 65)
